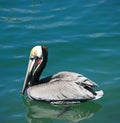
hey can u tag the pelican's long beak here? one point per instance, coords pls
(35, 66)
(28, 75)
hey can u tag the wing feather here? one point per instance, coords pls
(59, 91)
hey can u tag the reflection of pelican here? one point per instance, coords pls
(38, 112)
(60, 88)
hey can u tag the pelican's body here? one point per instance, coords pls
(61, 88)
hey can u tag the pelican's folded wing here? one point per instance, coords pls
(60, 91)
(71, 77)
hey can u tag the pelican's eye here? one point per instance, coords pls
(34, 58)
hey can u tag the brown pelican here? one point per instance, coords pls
(61, 88)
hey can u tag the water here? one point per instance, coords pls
(82, 36)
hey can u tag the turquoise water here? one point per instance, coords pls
(82, 36)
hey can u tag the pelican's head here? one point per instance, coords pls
(37, 62)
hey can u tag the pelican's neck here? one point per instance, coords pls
(36, 76)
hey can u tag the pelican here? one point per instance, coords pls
(60, 88)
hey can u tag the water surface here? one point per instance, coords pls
(82, 36)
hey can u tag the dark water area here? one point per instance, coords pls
(81, 36)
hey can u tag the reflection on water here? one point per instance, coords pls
(38, 112)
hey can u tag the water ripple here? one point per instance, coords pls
(6, 46)
(19, 56)
(51, 41)
(60, 8)
(28, 11)
(50, 25)
(14, 19)
(25, 19)
(96, 35)
(94, 4)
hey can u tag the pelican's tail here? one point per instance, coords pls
(99, 94)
